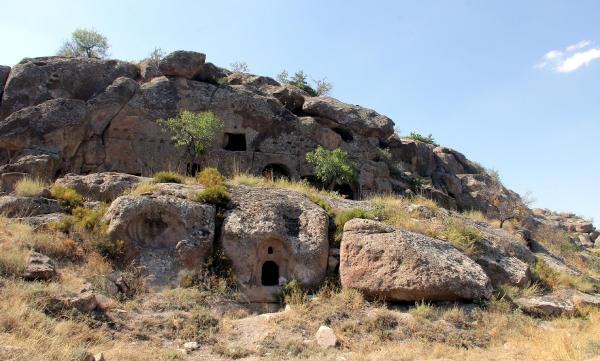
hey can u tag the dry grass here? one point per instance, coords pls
(28, 187)
(141, 188)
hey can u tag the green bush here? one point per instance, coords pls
(168, 177)
(216, 194)
(428, 139)
(210, 177)
(66, 196)
(333, 166)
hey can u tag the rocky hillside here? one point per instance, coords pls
(106, 255)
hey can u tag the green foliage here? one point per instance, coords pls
(210, 177)
(66, 196)
(292, 293)
(85, 43)
(194, 131)
(343, 216)
(168, 177)
(333, 166)
(215, 194)
(428, 139)
(462, 236)
(551, 278)
(300, 80)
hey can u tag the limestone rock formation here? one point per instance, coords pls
(18, 206)
(36, 80)
(181, 63)
(164, 234)
(39, 267)
(272, 236)
(102, 187)
(389, 263)
(561, 302)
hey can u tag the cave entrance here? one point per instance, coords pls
(345, 190)
(274, 171)
(345, 134)
(192, 169)
(270, 274)
(235, 142)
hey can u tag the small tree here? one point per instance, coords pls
(85, 43)
(507, 205)
(155, 56)
(300, 80)
(239, 67)
(333, 166)
(323, 87)
(196, 132)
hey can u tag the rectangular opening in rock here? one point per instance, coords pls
(234, 142)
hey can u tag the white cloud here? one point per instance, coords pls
(571, 58)
(578, 60)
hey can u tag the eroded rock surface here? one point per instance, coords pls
(163, 234)
(274, 235)
(101, 186)
(389, 263)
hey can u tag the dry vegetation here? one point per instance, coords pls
(145, 325)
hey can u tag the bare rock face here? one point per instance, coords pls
(185, 64)
(149, 70)
(17, 206)
(36, 163)
(274, 235)
(36, 80)
(39, 267)
(164, 234)
(56, 125)
(388, 263)
(102, 187)
(362, 120)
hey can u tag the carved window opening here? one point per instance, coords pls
(235, 142)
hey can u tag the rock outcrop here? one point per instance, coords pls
(102, 187)
(17, 206)
(39, 268)
(91, 115)
(272, 236)
(164, 234)
(392, 264)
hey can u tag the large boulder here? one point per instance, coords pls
(36, 80)
(17, 206)
(36, 163)
(385, 262)
(274, 235)
(56, 125)
(163, 234)
(101, 186)
(185, 64)
(362, 120)
(563, 301)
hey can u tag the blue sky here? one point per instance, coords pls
(514, 85)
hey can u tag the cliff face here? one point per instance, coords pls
(61, 115)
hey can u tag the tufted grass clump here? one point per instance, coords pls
(66, 196)
(210, 177)
(168, 177)
(462, 236)
(141, 188)
(553, 279)
(343, 216)
(29, 187)
(215, 194)
(12, 260)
